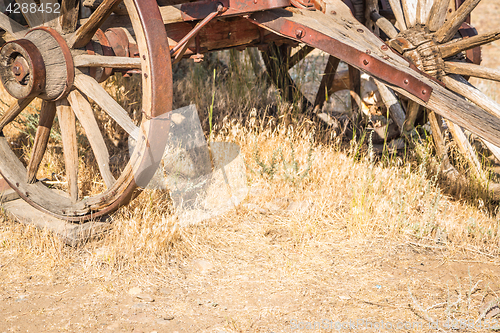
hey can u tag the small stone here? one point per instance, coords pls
(135, 291)
(168, 317)
(214, 304)
(145, 297)
(202, 265)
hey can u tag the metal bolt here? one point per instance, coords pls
(406, 81)
(333, 12)
(424, 92)
(365, 62)
(254, 1)
(360, 31)
(368, 52)
(299, 33)
(16, 70)
(384, 47)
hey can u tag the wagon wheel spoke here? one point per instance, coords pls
(85, 115)
(89, 87)
(34, 18)
(49, 18)
(47, 115)
(410, 12)
(437, 14)
(468, 69)
(69, 16)
(84, 34)
(14, 29)
(86, 60)
(327, 81)
(14, 111)
(456, 46)
(398, 13)
(67, 122)
(423, 10)
(450, 27)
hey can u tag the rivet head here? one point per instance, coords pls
(333, 12)
(299, 33)
(384, 47)
(368, 52)
(146, 75)
(424, 92)
(406, 81)
(365, 62)
(144, 56)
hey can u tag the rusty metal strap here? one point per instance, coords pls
(198, 10)
(362, 60)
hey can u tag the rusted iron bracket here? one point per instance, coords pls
(362, 60)
(198, 10)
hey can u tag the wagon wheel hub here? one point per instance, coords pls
(40, 64)
(419, 47)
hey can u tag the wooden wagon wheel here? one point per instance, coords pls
(51, 60)
(435, 44)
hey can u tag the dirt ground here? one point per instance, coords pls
(259, 279)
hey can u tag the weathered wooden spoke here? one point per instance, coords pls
(67, 122)
(14, 29)
(410, 12)
(86, 60)
(456, 46)
(14, 111)
(33, 17)
(93, 90)
(69, 16)
(448, 30)
(398, 13)
(437, 14)
(47, 114)
(423, 9)
(468, 69)
(84, 34)
(85, 115)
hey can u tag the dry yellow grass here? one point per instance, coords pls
(305, 248)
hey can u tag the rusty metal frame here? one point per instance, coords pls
(362, 60)
(198, 10)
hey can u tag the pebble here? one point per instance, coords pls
(135, 291)
(202, 265)
(145, 297)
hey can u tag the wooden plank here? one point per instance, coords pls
(49, 19)
(69, 16)
(6, 193)
(72, 234)
(423, 10)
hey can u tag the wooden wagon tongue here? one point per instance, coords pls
(342, 36)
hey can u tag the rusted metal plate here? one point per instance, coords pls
(200, 9)
(362, 60)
